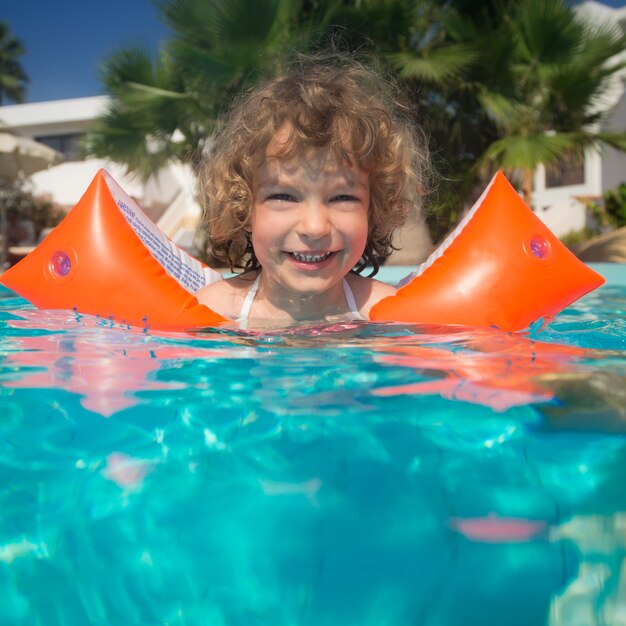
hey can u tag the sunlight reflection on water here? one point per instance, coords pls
(359, 473)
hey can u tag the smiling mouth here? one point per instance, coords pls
(309, 258)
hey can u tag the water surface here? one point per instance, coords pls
(377, 474)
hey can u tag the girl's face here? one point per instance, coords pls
(310, 220)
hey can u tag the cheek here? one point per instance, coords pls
(260, 243)
(266, 235)
(362, 241)
(358, 231)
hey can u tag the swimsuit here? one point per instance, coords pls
(247, 302)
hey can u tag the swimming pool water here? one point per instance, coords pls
(363, 474)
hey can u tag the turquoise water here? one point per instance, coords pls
(363, 474)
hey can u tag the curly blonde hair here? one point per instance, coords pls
(333, 102)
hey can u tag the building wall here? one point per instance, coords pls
(59, 124)
(74, 114)
(167, 197)
(559, 207)
(614, 161)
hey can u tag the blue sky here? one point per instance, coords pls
(66, 40)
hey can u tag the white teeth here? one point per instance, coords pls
(309, 258)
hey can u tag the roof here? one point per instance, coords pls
(72, 110)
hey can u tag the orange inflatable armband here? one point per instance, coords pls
(107, 258)
(500, 267)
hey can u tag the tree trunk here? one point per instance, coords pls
(527, 187)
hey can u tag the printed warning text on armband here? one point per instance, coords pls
(173, 265)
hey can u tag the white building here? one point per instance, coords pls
(167, 198)
(556, 196)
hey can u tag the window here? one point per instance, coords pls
(67, 144)
(565, 173)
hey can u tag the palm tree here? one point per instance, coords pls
(13, 79)
(409, 42)
(164, 108)
(503, 83)
(528, 88)
(432, 48)
(550, 100)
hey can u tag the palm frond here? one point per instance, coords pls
(201, 66)
(507, 113)
(194, 21)
(122, 136)
(138, 93)
(209, 24)
(615, 140)
(527, 152)
(130, 64)
(544, 31)
(436, 65)
(602, 44)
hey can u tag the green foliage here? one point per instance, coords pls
(555, 73)
(165, 107)
(13, 79)
(575, 238)
(498, 84)
(608, 214)
(615, 206)
(17, 194)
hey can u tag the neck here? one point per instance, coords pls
(273, 302)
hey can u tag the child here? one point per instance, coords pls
(304, 187)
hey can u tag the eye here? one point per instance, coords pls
(344, 197)
(281, 197)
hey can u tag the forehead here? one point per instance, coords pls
(285, 158)
(313, 165)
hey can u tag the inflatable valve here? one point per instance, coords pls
(60, 264)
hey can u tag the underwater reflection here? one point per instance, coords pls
(596, 595)
(493, 528)
(503, 370)
(105, 366)
(590, 400)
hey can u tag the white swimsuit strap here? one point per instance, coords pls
(249, 299)
(247, 303)
(350, 301)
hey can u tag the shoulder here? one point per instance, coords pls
(226, 296)
(369, 291)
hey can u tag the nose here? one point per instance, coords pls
(315, 220)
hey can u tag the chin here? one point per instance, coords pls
(313, 286)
